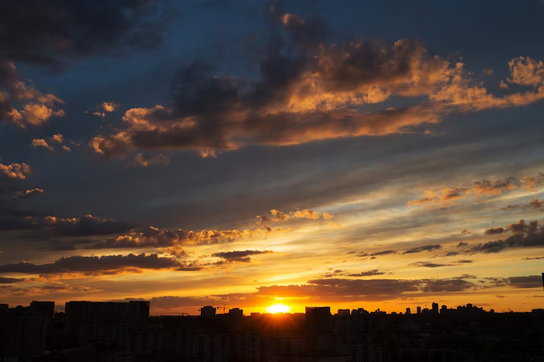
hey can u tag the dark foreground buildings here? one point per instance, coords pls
(94, 331)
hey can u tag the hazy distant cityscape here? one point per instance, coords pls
(115, 331)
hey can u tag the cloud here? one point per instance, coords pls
(242, 256)
(441, 197)
(141, 160)
(368, 273)
(299, 214)
(50, 226)
(533, 183)
(15, 170)
(18, 195)
(154, 238)
(447, 197)
(20, 103)
(423, 248)
(40, 142)
(10, 194)
(425, 264)
(533, 204)
(495, 187)
(45, 289)
(91, 264)
(330, 290)
(535, 258)
(466, 276)
(57, 139)
(52, 32)
(524, 236)
(109, 106)
(316, 92)
(10, 280)
(532, 281)
(493, 231)
(385, 252)
(500, 296)
(372, 289)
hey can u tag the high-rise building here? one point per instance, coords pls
(23, 330)
(408, 310)
(444, 309)
(418, 310)
(207, 311)
(318, 319)
(236, 316)
(435, 308)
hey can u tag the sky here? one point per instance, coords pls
(245, 153)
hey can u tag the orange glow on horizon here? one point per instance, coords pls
(278, 308)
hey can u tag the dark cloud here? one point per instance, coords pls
(426, 264)
(385, 252)
(50, 31)
(92, 264)
(423, 248)
(373, 289)
(446, 285)
(242, 256)
(306, 32)
(462, 244)
(535, 258)
(9, 193)
(464, 261)
(51, 226)
(493, 231)
(466, 276)
(533, 204)
(524, 236)
(10, 280)
(368, 273)
(532, 281)
(44, 289)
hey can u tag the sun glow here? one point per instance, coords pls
(278, 308)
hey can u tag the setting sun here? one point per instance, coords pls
(278, 308)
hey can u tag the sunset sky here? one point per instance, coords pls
(245, 153)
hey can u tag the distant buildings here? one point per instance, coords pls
(106, 331)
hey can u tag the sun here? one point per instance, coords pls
(278, 308)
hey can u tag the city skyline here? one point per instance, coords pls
(270, 155)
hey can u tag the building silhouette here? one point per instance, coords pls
(107, 331)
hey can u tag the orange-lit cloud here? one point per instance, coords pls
(299, 214)
(303, 98)
(20, 103)
(57, 139)
(450, 196)
(15, 170)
